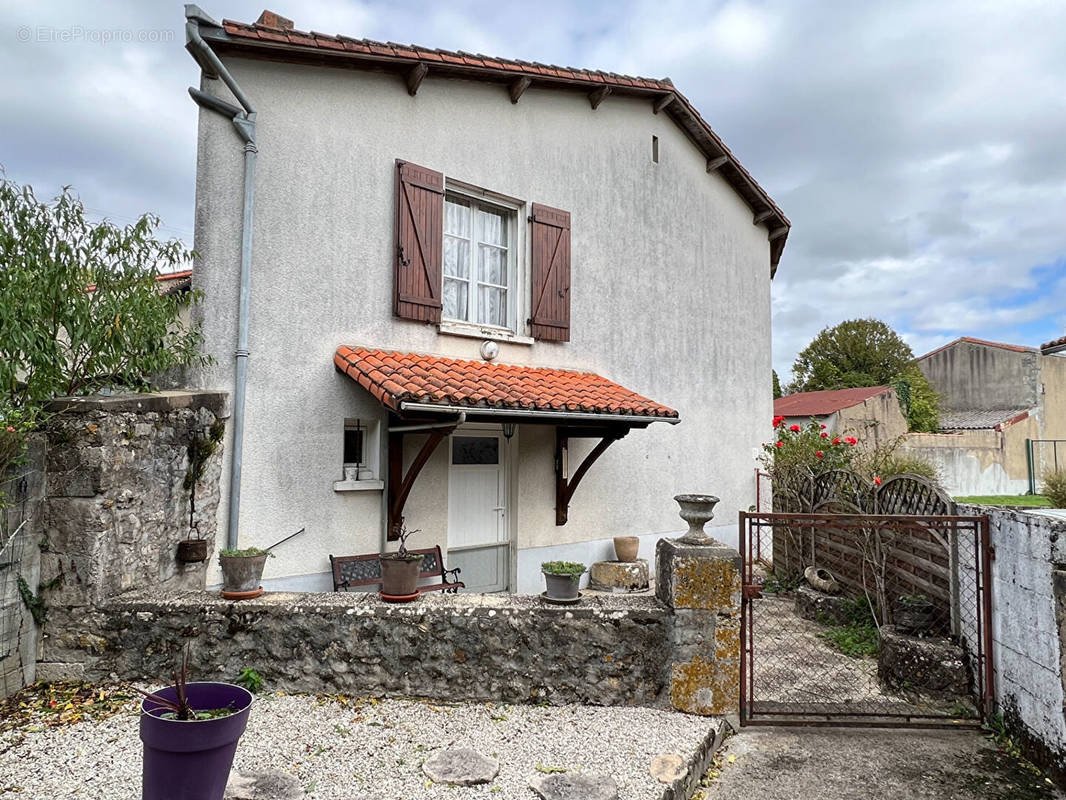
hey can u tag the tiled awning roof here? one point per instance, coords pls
(399, 380)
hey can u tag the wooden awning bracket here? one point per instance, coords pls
(400, 484)
(565, 485)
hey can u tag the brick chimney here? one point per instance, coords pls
(271, 20)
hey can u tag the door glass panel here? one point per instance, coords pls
(475, 450)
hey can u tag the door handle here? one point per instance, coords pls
(500, 508)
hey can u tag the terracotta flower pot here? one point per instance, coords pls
(399, 574)
(626, 547)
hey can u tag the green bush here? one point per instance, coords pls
(570, 568)
(1055, 488)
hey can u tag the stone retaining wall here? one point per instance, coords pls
(610, 650)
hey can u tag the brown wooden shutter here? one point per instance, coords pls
(419, 242)
(550, 319)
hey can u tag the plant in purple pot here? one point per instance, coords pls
(190, 733)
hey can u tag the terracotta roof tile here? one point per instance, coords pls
(1054, 343)
(817, 404)
(240, 33)
(1017, 348)
(394, 378)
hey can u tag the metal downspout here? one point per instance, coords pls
(243, 120)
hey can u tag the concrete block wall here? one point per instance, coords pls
(1029, 627)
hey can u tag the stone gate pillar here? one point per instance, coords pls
(700, 583)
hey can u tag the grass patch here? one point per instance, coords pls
(857, 641)
(857, 636)
(1007, 500)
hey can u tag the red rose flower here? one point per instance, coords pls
(825, 435)
(778, 421)
(779, 444)
(836, 440)
(823, 427)
(794, 428)
(819, 454)
(877, 480)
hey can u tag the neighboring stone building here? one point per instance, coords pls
(426, 343)
(870, 413)
(995, 399)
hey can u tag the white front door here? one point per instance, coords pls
(478, 540)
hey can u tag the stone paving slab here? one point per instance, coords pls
(870, 764)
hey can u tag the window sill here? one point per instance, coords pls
(478, 332)
(358, 486)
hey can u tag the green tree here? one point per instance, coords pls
(81, 306)
(867, 352)
(777, 385)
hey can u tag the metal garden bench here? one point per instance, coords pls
(352, 571)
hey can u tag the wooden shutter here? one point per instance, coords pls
(419, 242)
(550, 319)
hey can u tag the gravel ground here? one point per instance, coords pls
(367, 750)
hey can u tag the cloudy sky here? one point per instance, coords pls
(919, 148)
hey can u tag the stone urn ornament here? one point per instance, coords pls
(697, 510)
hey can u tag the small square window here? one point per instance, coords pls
(353, 444)
(360, 456)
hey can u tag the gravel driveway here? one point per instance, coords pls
(368, 750)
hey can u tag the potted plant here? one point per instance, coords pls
(193, 549)
(915, 613)
(400, 570)
(562, 579)
(190, 733)
(242, 570)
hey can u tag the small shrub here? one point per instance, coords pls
(1055, 488)
(570, 568)
(247, 551)
(250, 680)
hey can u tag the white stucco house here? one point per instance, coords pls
(465, 279)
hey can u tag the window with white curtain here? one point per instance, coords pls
(479, 266)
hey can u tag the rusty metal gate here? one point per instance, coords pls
(905, 638)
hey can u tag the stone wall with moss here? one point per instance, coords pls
(610, 650)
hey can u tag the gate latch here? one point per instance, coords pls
(751, 591)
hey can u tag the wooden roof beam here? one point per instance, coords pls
(597, 96)
(714, 164)
(762, 216)
(777, 233)
(414, 79)
(518, 88)
(663, 102)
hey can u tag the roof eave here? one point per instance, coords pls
(680, 110)
(537, 415)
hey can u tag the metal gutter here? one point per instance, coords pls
(428, 426)
(243, 120)
(561, 416)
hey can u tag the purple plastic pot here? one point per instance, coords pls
(191, 760)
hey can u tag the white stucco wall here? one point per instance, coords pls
(670, 297)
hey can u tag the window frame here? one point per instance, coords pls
(368, 471)
(517, 290)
